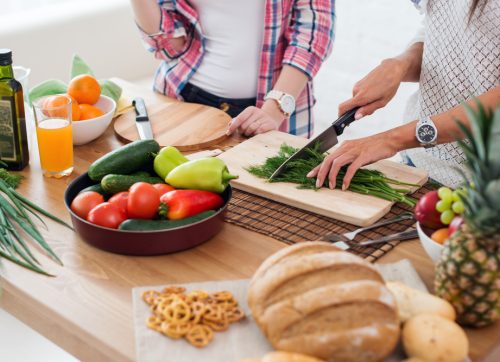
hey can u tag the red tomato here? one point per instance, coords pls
(86, 201)
(163, 188)
(107, 214)
(143, 201)
(120, 199)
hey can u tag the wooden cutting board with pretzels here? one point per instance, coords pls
(354, 208)
(187, 126)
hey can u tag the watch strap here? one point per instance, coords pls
(426, 121)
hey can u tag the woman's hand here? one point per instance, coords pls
(357, 153)
(376, 89)
(254, 120)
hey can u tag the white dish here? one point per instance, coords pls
(432, 248)
(90, 129)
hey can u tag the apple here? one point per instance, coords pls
(426, 213)
(455, 224)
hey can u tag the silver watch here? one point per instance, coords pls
(426, 132)
(286, 102)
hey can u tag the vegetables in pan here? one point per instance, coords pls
(208, 174)
(113, 183)
(167, 159)
(185, 203)
(151, 225)
(124, 160)
(369, 182)
(16, 223)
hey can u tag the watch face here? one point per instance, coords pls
(426, 133)
(288, 104)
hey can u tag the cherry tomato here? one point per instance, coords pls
(86, 201)
(120, 199)
(143, 201)
(107, 214)
(163, 188)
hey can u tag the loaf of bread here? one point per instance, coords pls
(313, 299)
(431, 337)
(412, 302)
(281, 356)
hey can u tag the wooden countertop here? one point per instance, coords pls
(87, 308)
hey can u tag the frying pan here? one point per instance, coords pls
(143, 242)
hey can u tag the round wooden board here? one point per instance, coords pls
(186, 126)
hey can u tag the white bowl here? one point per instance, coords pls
(431, 247)
(88, 130)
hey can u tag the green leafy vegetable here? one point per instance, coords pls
(11, 179)
(369, 182)
(15, 224)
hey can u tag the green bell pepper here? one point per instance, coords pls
(166, 160)
(209, 174)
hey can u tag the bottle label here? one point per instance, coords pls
(7, 132)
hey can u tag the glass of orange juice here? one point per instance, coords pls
(54, 135)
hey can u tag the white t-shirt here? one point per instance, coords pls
(232, 34)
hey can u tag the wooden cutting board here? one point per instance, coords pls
(187, 126)
(357, 209)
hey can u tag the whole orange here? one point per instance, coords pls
(440, 235)
(53, 106)
(85, 89)
(88, 111)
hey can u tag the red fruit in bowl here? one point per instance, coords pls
(426, 213)
(455, 224)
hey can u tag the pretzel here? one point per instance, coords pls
(194, 315)
(178, 312)
(200, 335)
(175, 330)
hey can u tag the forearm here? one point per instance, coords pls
(292, 81)
(147, 15)
(409, 63)
(446, 122)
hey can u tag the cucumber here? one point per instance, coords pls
(152, 225)
(141, 173)
(124, 160)
(116, 183)
(97, 188)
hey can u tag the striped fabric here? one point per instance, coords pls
(298, 33)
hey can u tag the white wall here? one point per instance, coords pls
(102, 32)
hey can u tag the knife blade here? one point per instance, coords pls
(142, 119)
(327, 139)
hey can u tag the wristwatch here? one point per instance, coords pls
(426, 132)
(285, 101)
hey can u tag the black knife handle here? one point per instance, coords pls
(345, 120)
(140, 109)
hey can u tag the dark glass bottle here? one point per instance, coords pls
(13, 138)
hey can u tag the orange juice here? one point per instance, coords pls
(55, 145)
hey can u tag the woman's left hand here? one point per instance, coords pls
(254, 120)
(357, 153)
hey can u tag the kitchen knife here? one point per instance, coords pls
(142, 120)
(327, 139)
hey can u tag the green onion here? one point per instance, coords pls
(16, 226)
(365, 181)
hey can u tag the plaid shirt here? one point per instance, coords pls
(298, 33)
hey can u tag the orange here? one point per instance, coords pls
(88, 111)
(85, 89)
(50, 104)
(440, 235)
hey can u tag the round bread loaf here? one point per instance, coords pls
(431, 337)
(313, 299)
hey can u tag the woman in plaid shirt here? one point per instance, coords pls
(253, 59)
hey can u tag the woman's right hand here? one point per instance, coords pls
(376, 89)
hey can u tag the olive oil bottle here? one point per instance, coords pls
(13, 138)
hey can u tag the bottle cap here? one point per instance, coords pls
(5, 56)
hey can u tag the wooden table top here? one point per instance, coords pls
(87, 308)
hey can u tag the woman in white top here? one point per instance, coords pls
(458, 60)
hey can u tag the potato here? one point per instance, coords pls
(431, 337)
(413, 301)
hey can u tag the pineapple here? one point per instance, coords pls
(467, 274)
